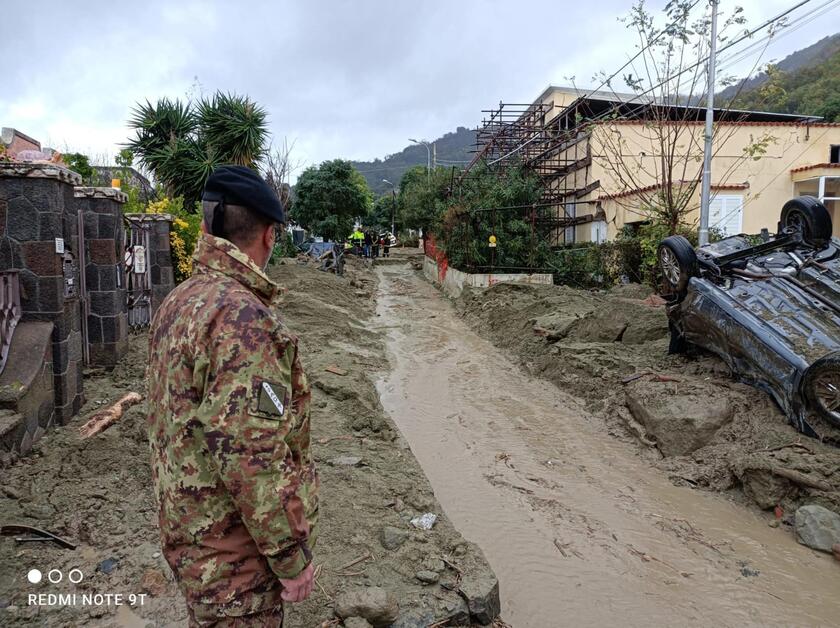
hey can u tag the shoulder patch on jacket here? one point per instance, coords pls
(268, 399)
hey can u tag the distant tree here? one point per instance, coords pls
(383, 212)
(328, 198)
(181, 143)
(79, 163)
(422, 197)
(277, 169)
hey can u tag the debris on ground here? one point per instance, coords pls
(27, 534)
(425, 521)
(97, 492)
(374, 604)
(104, 419)
(609, 348)
(817, 527)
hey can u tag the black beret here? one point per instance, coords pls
(240, 185)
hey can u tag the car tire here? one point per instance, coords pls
(808, 215)
(821, 388)
(677, 263)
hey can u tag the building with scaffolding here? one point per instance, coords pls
(605, 160)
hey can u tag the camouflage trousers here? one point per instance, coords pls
(269, 618)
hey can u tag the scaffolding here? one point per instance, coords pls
(553, 145)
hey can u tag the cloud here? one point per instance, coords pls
(342, 79)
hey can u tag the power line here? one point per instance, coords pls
(610, 111)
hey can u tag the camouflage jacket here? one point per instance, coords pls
(229, 433)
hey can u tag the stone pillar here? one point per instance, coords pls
(107, 312)
(163, 277)
(159, 255)
(37, 221)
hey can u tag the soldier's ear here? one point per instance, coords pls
(268, 236)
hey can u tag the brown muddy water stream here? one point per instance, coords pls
(579, 529)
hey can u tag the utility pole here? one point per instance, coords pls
(393, 206)
(706, 185)
(434, 156)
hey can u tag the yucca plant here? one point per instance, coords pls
(181, 143)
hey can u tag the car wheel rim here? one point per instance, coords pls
(827, 393)
(794, 221)
(670, 266)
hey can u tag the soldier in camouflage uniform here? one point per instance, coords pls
(229, 421)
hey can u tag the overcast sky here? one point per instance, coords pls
(341, 79)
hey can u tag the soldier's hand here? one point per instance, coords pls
(298, 588)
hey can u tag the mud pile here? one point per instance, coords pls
(695, 421)
(97, 493)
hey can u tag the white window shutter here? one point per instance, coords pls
(726, 212)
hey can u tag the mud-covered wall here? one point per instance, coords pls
(107, 315)
(38, 237)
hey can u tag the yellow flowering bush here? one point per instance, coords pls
(183, 233)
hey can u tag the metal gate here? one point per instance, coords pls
(138, 273)
(9, 311)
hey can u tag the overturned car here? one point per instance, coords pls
(769, 306)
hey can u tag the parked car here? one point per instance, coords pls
(769, 306)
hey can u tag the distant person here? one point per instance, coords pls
(386, 245)
(368, 241)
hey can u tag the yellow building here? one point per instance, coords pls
(607, 159)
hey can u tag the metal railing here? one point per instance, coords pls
(9, 311)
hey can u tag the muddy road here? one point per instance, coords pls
(579, 528)
(97, 493)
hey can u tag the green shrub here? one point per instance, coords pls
(284, 246)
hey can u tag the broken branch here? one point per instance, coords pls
(360, 559)
(104, 419)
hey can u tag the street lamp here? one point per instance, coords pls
(393, 207)
(428, 154)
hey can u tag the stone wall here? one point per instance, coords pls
(107, 314)
(37, 207)
(453, 282)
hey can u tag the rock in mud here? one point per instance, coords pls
(374, 604)
(598, 326)
(817, 527)
(346, 461)
(554, 326)
(680, 422)
(427, 577)
(392, 538)
(764, 488)
(482, 593)
(356, 622)
(835, 549)
(415, 618)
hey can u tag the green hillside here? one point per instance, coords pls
(453, 149)
(812, 89)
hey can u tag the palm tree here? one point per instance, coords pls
(181, 143)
